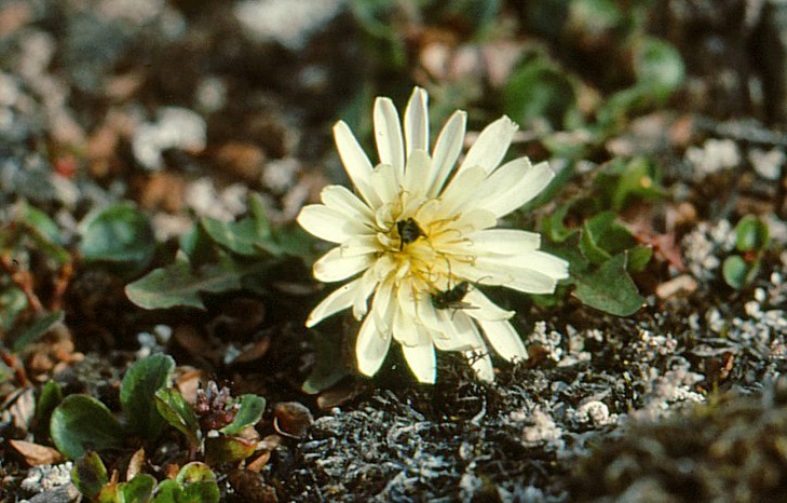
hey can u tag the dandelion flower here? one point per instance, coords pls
(417, 239)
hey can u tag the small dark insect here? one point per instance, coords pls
(451, 298)
(409, 231)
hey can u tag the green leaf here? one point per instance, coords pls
(592, 232)
(195, 472)
(197, 246)
(328, 369)
(624, 181)
(178, 412)
(137, 490)
(50, 397)
(638, 258)
(12, 302)
(119, 233)
(167, 492)
(181, 285)
(199, 484)
(138, 390)
(238, 237)
(658, 67)
(200, 492)
(225, 449)
(44, 232)
(81, 423)
(539, 89)
(38, 328)
(249, 413)
(751, 234)
(89, 475)
(608, 288)
(737, 273)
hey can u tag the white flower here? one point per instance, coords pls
(417, 236)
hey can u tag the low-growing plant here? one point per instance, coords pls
(751, 240)
(194, 483)
(217, 257)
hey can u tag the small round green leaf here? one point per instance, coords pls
(137, 490)
(119, 233)
(735, 271)
(81, 423)
(249, 413)
(751, 234)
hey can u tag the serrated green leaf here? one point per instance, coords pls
(137, 490)
(238, 237)
(89, 475)
(751, 234)
(608, 288)
(119, 233)
(81, 424)
(178, 413)
(197, 246)
(38, 328)
(181, 285)
(138, 390)
(249, 413)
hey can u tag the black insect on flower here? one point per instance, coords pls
(452, 298)
(409, 231)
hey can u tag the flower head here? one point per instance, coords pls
(417, 236)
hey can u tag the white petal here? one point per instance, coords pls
(509, 197)
(329, 224)
(334, 267)
(371, 346)
(416, 122)
(504, 338)
(507, 175)
(386, 183)
(505, 241)
(484, 309)
(447, 149)
(481, 362)
(360, 245)
(418, 173)
(460, 191)
(546, 263)
(459, 332)
(421, 360)
(388, 134)
(368, 283)
(341, 199)
(516, 273)
(355, 162)
(339, 299)
(491, 145)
